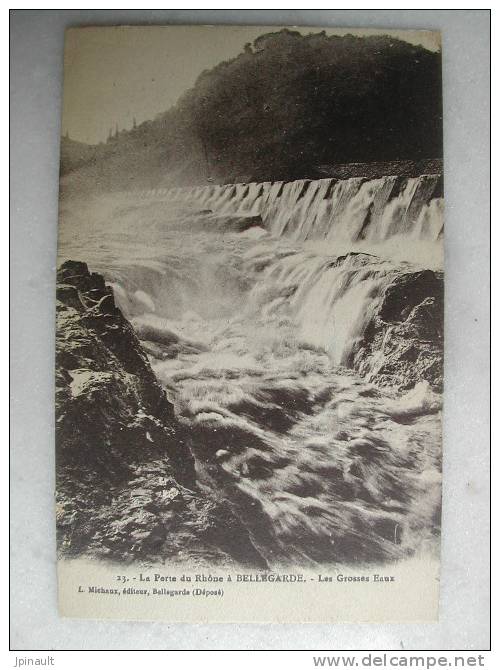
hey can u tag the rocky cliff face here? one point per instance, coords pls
(403, 344)
(125, 475)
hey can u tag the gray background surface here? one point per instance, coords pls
(36, 84)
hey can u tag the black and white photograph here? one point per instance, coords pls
(249, 355)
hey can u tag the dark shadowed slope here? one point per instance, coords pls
(287, 107)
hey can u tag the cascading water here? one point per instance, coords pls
(339, 210)
(255, 303)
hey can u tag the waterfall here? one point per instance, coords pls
(331, 300)
(287, 322)
(331, 248)
(346, 210)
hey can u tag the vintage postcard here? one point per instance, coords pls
(249, 361)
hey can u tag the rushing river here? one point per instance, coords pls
(251, 305)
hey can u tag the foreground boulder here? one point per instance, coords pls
(126, 484)
(403, 344)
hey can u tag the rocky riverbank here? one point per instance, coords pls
(403, 344)
(125, 473)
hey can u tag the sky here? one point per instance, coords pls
(115, 74)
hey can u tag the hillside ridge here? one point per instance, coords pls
(285, 108)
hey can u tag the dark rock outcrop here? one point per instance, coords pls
(403, 344)
(125, 475)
